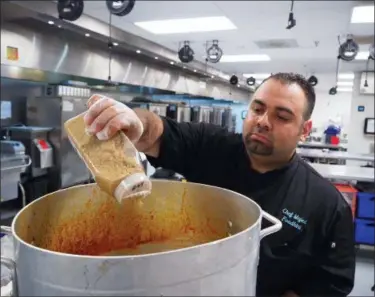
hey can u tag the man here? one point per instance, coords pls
(313, 254)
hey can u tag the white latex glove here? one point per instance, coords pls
(107, 116)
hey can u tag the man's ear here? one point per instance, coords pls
(306, 129)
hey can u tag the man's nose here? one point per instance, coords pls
(263, 122)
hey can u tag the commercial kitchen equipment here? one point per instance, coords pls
(172, 111)
(14, 161)
(37, 145)
(159, 109)
(217, 116)
(36, 181)
(204, 116)
(82, 222)
(200, 114)
(227, 118)
(183, 113)
(52, 110)
(234, 124)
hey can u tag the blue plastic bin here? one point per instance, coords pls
(364, 232)
(366, 205)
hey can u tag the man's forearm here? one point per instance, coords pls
(149, 143)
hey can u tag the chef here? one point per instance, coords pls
(313, 254)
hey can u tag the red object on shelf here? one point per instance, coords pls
(335, 140)
(43, 144)
(350, 195)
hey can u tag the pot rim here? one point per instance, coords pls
(232, 237)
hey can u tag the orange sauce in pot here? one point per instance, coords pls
(110, 228)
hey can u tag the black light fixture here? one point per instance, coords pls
(291, 20)
(313, 80)
(251, 81)
(120, 7)
(233, 80)
(214, 52)
(333, 91)
(186, 53)
(349, 49)
(70, 10)
(371, 56)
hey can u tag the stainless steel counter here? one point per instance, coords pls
(345, 172)
(321, 145)
(339, 155)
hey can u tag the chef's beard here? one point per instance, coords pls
(256, 147)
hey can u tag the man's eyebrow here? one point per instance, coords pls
(278, 108)
(260, 102)
(281, 108)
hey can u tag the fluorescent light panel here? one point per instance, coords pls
(344, 89)
(346, 75)
(244, 58)
(363, 14)
(172, 26)
(362, 56)
(260, 76)
(345, 84)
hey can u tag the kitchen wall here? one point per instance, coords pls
(332, 107)
(358, 141)
(327, 107)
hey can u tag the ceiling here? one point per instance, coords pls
(317, 21)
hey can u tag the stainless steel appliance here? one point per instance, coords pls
(194, 116)
(71, 221)
(159, 109)
(172, 112)
(14, 161)
(37, 145)
(204, 114)
(183, 114)
(217, 115)
(201, 114)
(52, 111)
(227, 119)
(234, 123)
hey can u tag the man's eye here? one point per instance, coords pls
(282, 118)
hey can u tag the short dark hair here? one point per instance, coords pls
(301, 81)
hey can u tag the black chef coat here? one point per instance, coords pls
(313, 254)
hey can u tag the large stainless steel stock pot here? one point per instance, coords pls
(184, 239)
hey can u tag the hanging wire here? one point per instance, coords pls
(337, 70)
(110, 46)
(206, 60)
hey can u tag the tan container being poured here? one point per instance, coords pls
(113, 163)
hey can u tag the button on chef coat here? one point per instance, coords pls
(313, 254)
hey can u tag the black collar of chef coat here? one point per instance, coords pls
(260, 180)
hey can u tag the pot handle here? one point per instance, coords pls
(274, 228)
(9, 263)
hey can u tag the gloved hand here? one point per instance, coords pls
(107, 116)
